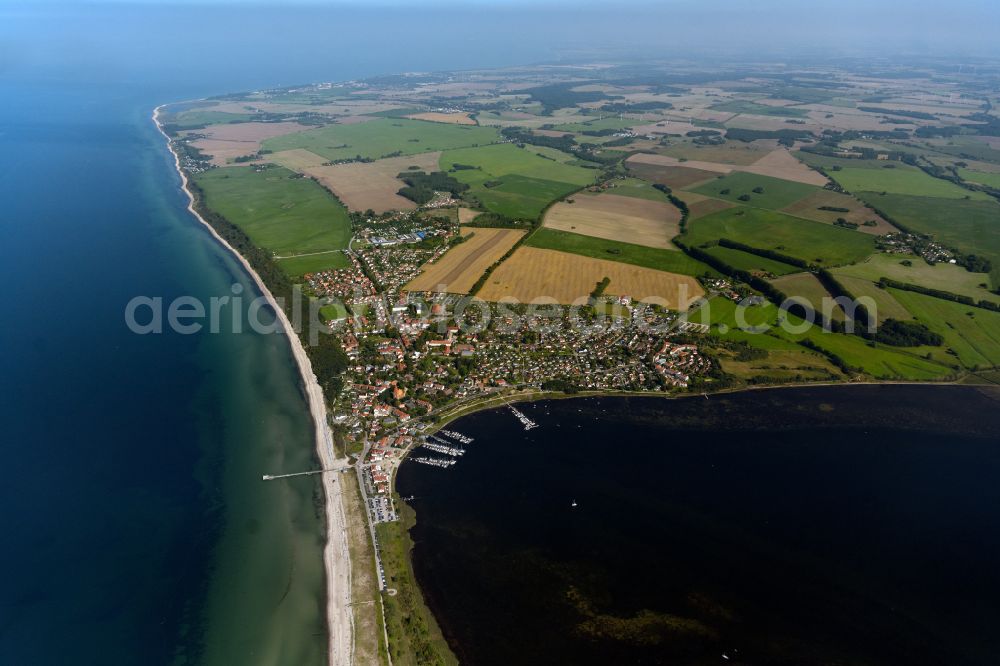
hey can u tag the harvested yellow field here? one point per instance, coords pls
(436, 117)
(361, 185)
(466, 215)
(533, 274)
(778, 163)
(782, 164)
(297, 159)
(614, 217)
(461, 266)
(227, 142)
(670, 161)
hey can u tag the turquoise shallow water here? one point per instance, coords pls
(136, 528)
(133, 507)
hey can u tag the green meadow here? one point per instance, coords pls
(947, 277)
(201, 118)
(807, 287)
(886, 307)
(776, 193)
(312, 263)
(513, 181)
(381, 137)
(981, 177)
(750, 262)
(638, 189)
(810, 241)
(879, 361)
(280, 212)
(902, 180)
(971, 226)
(883, 361)
(972, 333)
(672, 261)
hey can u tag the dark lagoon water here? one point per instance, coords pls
(849, 525)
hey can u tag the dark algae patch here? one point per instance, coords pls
(823, 525)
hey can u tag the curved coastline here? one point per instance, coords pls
(336, 555)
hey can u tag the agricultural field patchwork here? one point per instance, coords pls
(383, 137)
(513, 181)
(568, 174)
(614, 250)
(227, 141)
(364, 185)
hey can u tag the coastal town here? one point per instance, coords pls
(413, 354)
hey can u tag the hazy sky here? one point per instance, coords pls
(251, 43)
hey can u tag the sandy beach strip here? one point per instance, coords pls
(336, 557)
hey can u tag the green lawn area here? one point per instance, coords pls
(333, 312)
(777, 193)
(902, 180)
(280, 212)
(639, 189)
(751, 262)
(312, 263)
(671, 261)
(523, 183)
(971, 226)
(381, 137)
(981, 177)
(823, 244)
(973, 333)
(744, 106)
(947, 277)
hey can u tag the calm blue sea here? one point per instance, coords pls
(131, 507)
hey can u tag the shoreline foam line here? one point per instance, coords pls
(336, 555)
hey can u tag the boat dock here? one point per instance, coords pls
(272, 477)
(525, 421)
(457, 436)
(435, 462)
(438, 446)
